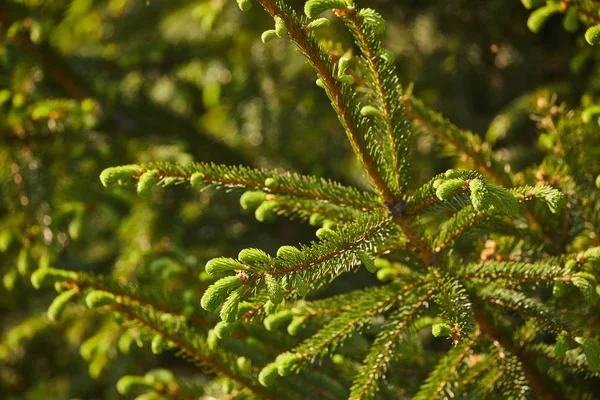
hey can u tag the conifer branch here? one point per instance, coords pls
(518, 302)
(388, 94)
(517, 271)
(272, 182)
(403, 322)
(371, 303)
(315, 264)
(192, 346)
(445, 370)
(539, 383)
(514, 380)
(343, 100)
(573, 360)
(461, 222)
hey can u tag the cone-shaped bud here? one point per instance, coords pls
(144, 185)
(212, 340)
(538, 18)
(250, 200)
(274, 289)
(312, 8)
(125, 342)
(60, 302)
(386, 274)
(244, 5)
(440, 329)
(197, 179)
(373, 19)
(479, 195)
(224, 329)
(48, 276)
(590, 113)
(158, 344)
(216, 293)
(159, 375)
(99, 298)
(254, 256)
(229, 311)
(243, 363)
(269, 35)
(447, 188)
(280, 27)
(118, 175)
(370, 111)
(318, 23)
(295, 326)
(289, 252)
(592, 35)
(268, 374)
(326, 234)
(131, 384)
(285, 362)
(274, 321)
(316, 219)
(222, 264)
(270, 182)
(329, 224)
(347, 79)
(266, 211)
(343, 63)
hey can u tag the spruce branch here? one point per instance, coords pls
(573, 360)
(387, 99)
(371, 303)
(444, 373)
(404, 321)
(316, 264)
(513, 381)
(271, 182)
(494, 333)
(342, 98)
(517, 302)
(455, 306)
(520, 272)
(193, 346)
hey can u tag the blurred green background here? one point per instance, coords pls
(86, 85)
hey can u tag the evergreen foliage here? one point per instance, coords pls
(485, 275)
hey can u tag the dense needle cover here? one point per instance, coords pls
(477, 268)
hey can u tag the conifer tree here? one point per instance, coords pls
(488, 274)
